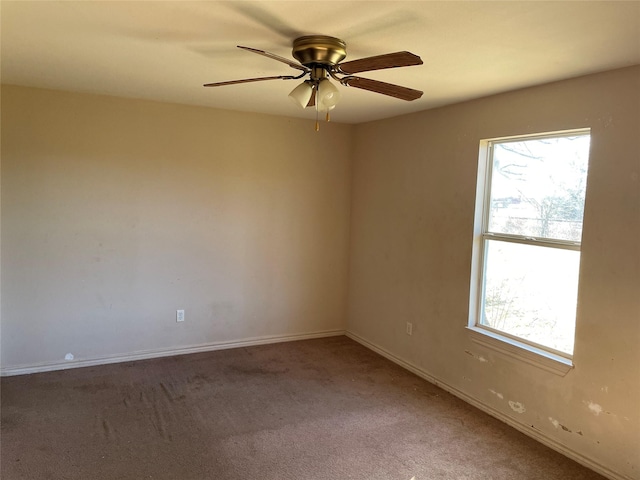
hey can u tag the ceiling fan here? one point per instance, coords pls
(320, 57)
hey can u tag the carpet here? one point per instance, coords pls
(324, 409)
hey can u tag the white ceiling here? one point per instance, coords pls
(166, 50)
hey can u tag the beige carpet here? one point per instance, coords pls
(319, 409)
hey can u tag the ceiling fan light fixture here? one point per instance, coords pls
(301, 94)
(328, 95)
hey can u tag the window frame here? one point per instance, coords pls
(516, 347)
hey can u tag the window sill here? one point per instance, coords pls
(521, 351)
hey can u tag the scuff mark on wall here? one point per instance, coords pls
(594, 408)
(480, 358)
(517, 406)
(497, 394)
(597, 409)
(557, 424)
(607, 121)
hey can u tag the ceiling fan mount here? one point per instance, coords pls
(313, 50)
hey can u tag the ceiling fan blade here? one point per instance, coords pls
(291, 63)
(380, 62)
(248, 80)
(264, 17)
(396, 91)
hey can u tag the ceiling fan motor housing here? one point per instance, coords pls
(313, 50)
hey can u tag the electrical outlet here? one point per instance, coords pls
(179, 315)
(409, 328)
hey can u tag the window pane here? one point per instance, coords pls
(538, 187)
(531, 292)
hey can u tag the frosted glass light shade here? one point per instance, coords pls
(301, 94)
(328, 95)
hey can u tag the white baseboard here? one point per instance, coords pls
(147, 354)
(526, 429)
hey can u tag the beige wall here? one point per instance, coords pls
(412, 224)
(116, 213)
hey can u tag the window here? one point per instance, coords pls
(528, 230)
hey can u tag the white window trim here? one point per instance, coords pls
(520, 351)
(559, 363)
